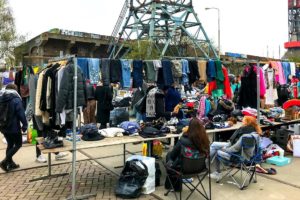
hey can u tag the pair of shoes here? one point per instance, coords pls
(41, 159)
(216, 175)
(60, 155)
(3, 166)
(12, 166)
(187, 180)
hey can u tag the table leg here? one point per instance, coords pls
(49, 172)
(124, 154)
(149, 148)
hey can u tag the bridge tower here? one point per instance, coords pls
(170, 26)
(293, 45)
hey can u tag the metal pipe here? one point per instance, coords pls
(258, 92)
(74, 132)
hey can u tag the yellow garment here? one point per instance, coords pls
(177, 108)
(202, 70)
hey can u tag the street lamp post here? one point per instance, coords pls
(219, 29)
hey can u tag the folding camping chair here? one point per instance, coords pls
(190, 168)
(238, 164)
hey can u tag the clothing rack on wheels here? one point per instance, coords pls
(73, 193)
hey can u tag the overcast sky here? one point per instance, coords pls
(247, 26)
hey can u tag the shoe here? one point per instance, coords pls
(3, 166)
(216, 175)
(60, 155)
(41, 159)
(12, 166)
(187, 180)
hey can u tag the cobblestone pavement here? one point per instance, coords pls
(91, 178)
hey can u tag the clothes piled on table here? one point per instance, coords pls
(90, 133)
(112, 132)
(131, 128)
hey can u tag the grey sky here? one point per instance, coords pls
(247, 26)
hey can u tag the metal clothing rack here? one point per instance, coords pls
(73, 194)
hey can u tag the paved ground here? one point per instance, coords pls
(92, 178)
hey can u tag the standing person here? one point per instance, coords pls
(12, 130)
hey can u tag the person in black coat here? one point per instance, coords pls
(13, 132)
(193, 143)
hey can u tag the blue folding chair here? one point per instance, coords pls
(241, 164)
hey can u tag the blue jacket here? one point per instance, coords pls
(16, 107)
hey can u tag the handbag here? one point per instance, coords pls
(132, 179)
(140, 106)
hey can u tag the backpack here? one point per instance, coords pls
(5, 114)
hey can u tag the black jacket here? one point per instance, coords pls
(175, 154)
(65, 98)
(239, 132)
(17, 112)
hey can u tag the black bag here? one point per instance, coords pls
(151, 132)
(132, 179)
(5, 114)
(140, 106)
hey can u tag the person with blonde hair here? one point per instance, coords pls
(249, 126)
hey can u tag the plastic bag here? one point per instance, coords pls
(132, 179)
(149, 185)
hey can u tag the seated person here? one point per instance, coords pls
(249, 126)
(195, 139)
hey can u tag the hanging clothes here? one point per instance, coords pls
(219, 75)
(227, 89)
(286, 68)
(157, 66)
(177, 72)
(94, 68)
(65, 98)
(202, 70)
(194, 73)
(281, 74)
(115, 70)
(137, 73)
(262, 83)
(104, 96)
(105, 71)
(293, 68)
(90, 110)
(271, 91)
(274, 65)
(83, 64)
(126, 73)
(167, 72)
(248, 91)
(185, 71)
(211, 70)
(150, 71)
